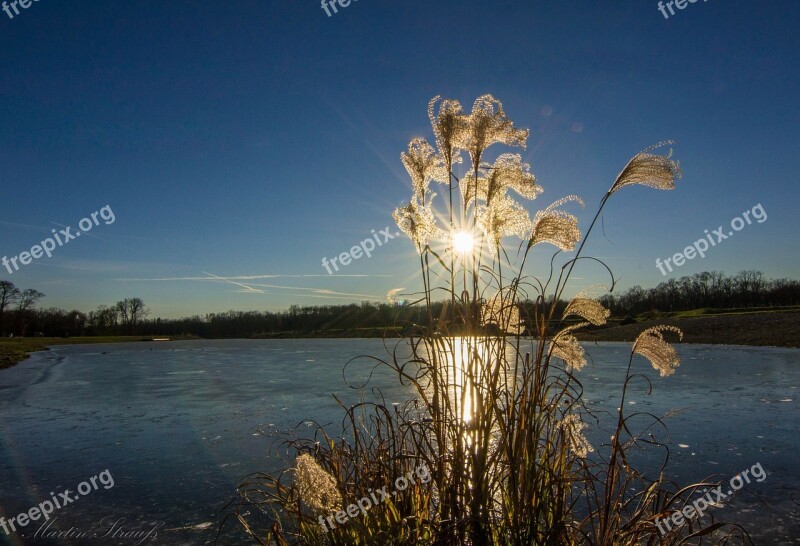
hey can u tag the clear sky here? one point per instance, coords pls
(249, 139)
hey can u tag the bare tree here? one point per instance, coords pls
(9, 294)
(132, 312)
(28, 298)
(104, 320)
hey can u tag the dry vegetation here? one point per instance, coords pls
(498, 418)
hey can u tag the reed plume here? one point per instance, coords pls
(317, 488)
(647, 169)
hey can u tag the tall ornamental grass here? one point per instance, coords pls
(498, 421)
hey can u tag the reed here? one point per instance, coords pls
(499, 416)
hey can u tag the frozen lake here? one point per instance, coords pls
(179, 424)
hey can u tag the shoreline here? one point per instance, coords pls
(751, 329)
(18, 349)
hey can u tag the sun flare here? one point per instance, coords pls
(463, 243)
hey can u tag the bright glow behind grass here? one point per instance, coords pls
(463, 243)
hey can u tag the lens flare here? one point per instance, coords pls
(463, 243)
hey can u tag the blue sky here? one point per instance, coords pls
(254, 138)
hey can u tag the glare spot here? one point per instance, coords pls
(463, 243)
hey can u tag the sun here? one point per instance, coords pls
(463, 243)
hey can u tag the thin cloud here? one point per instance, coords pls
(318, 291)
(240, 278)
(392, 293)
(246, 287)
(257, 288)
(320, 296)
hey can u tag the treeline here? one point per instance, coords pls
(17, 308)
(305, 319)
(18, 315)
(714, 289)
(120, 320)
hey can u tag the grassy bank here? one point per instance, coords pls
(760, 327)
(14, 350)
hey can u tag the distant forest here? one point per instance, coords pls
(21, 315)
